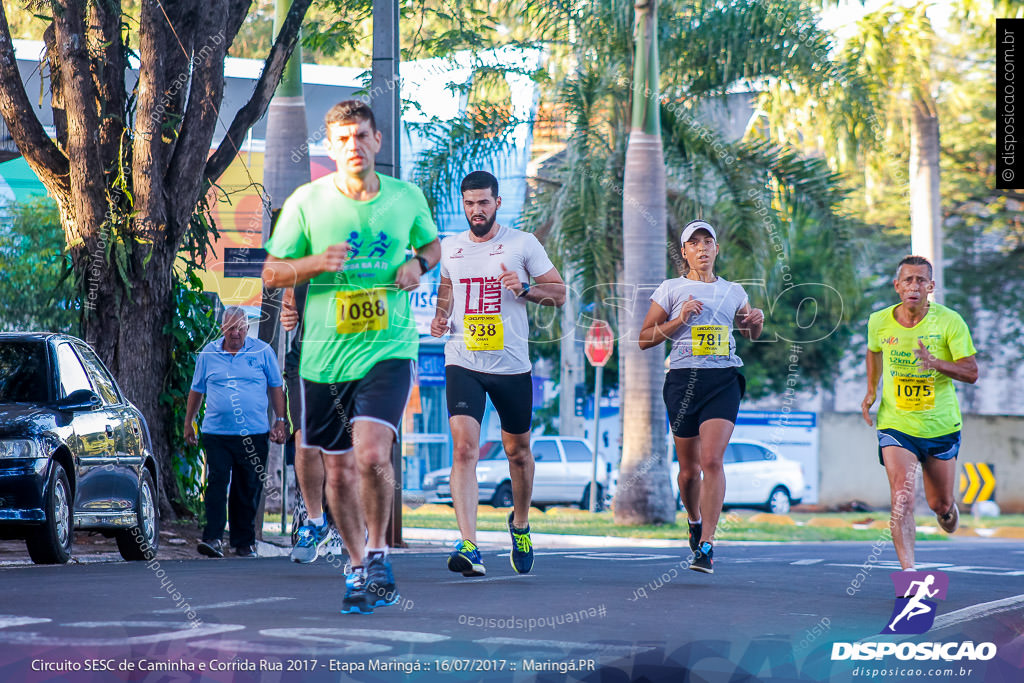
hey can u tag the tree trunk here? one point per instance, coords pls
(127, 331)
(643, 495)
(925, 200)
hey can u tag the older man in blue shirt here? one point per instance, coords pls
(236, 374)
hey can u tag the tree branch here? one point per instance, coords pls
(257, 105)
(205, 97)
(107, 64)
(160, 93)
(79, 97)
(42, 155)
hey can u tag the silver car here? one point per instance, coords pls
(562, 473)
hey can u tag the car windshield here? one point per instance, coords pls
(491, 450)
(23, 372)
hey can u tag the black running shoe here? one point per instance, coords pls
(695, 533)
(210, 548)
(702, 559)
(380, 582)
(356, 601)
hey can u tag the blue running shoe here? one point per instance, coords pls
(380, 582)
(522, 548)
(356, 601)
(310, 538)
(465, 559)
(702, 559)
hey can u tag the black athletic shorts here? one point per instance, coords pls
(328, 410)
(695, 395)
(512, 396)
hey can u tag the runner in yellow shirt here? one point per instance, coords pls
(918, 348)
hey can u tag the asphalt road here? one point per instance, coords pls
(770, 612)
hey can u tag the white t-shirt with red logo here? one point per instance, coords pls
(489, 328)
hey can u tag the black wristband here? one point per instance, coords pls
(424, 264)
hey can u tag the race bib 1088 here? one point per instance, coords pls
(363, 310)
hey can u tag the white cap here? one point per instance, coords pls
(694, 226)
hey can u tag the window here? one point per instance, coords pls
(730, 455)
(747, 452)
(577, 451)
(100, 377)
(72, 375)
(24, 377)
(546, 451)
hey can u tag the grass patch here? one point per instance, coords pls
(733, 527)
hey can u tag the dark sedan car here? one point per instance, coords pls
(75, 454)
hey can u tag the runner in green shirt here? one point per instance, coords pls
(348, 235)
(918, 348)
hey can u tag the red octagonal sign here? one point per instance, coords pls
(599, 343)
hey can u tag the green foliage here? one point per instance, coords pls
(36, 287)
(192, 327)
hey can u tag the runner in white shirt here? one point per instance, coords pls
(485, 285)
(703, 387)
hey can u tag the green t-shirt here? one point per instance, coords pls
(918, 402)
(356, 317)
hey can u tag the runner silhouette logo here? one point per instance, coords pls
(915, 608)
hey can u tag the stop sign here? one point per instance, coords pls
(599, 343)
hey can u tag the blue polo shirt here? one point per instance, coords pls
(236, 386)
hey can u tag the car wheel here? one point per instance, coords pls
(141, 541)
(779, 502)
(503, 496)
(585, 500)
(51, 544)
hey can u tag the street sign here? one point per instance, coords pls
(599, 343)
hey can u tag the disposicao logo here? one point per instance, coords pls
(914, 613)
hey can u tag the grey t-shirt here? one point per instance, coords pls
(706, 341)
(489, 328)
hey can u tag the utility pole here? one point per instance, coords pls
(385, 100)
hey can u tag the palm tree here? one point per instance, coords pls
(285, 156)
(584, 204)
(643, 237)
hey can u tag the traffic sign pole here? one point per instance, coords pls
(597, 421)
(598, 348)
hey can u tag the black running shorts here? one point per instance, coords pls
(328, 410)
(696, 395)
(512, 396)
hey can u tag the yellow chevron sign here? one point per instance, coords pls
(977, 482)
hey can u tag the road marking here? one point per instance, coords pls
(476, 579)
(804, 562)
(7, 620)
(184, 630)
(219, 605)
(331, 635)
(979, 611)
(600, 648)
(291, 650)
(620, 557)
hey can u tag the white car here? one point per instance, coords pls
(755, 476)
(562, 471)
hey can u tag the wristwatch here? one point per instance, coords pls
(424, 264)
(526, 288)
